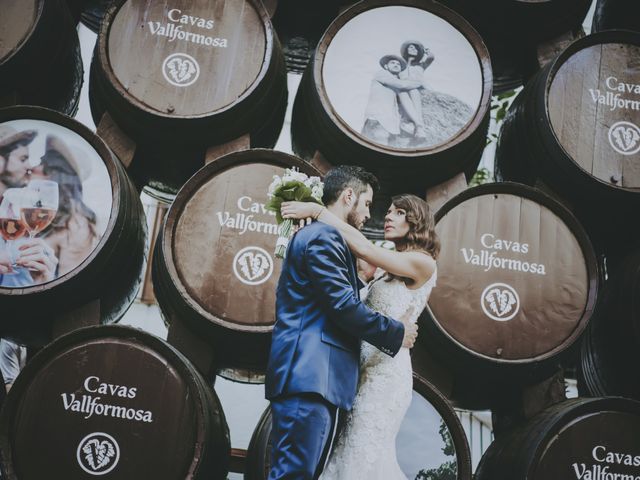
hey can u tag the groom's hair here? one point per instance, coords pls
(338, 179)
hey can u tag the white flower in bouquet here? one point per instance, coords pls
(317, 191)
(277, 181)
(293, 185)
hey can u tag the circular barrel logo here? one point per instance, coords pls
(253, 265)
(500, 302)
(624, 137)
(180, 69)
(98, 453)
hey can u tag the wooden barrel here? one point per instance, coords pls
(182, 78)
(353, 110)
(214, 269)
(431, 440)
(40, 61)
(300, 24)
(517, 285)
(112, 401)
(75, 8)
(512, 29)
(594, 439)
(610, 14)
(94, 243)
(575, 129)
(612, 341)
(93, 13)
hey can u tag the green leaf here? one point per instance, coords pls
(507, 94)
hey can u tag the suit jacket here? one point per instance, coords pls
(320, 320)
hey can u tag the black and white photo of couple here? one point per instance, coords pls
(395, 107)
(402, 110)
(414, 85)
(332, 351)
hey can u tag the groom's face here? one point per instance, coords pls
(359, 213)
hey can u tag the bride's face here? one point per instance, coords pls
(395, 224)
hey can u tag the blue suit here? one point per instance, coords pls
(315, 347)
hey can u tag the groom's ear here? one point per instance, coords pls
(348, 196)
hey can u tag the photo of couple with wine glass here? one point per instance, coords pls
(50, 222)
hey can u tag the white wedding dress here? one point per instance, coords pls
(366, 446)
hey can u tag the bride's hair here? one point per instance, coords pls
(405, 47)
(422, 234)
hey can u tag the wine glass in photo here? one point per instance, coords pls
(12, 226)
(39, 205)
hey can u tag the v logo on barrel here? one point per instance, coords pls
(180, 69)
(500, 302)
(625, 138)
(253, 265)
(98, 453)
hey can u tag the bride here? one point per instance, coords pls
(365, 449)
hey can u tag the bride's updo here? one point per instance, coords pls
(422, 234)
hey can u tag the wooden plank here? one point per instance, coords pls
(440, 194)
(236, 145)
(123, 146)
(192, 346)
(238, 460)
(321, 163)
(84, 316)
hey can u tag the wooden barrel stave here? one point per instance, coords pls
(529, 450)
(524, 26)
(49, 51)
(203, 454)
(167, 161)
(93, 13)
(103, 277)
(299, 26)
(495, 360)
(615, 14)
(612, 339)
(535, 147)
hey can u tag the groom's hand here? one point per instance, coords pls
(410, 335)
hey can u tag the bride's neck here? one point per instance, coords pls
(401, 246)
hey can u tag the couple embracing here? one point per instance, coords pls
(332, 351)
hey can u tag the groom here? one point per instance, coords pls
(313, 365)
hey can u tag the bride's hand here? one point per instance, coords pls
(410, 328)
(300, 210)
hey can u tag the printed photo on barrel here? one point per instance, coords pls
(416, 83)
(55, 201)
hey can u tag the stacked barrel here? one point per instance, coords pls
(214, 268)
(89, 241)
(180, 81)
(517, 285)
(527, 27)
(571, 133)
(415, 126)
(537, 271)
(40, 60)
(112, 401)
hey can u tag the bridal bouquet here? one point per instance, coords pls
(293, 185)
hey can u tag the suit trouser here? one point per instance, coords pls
(302, 428)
